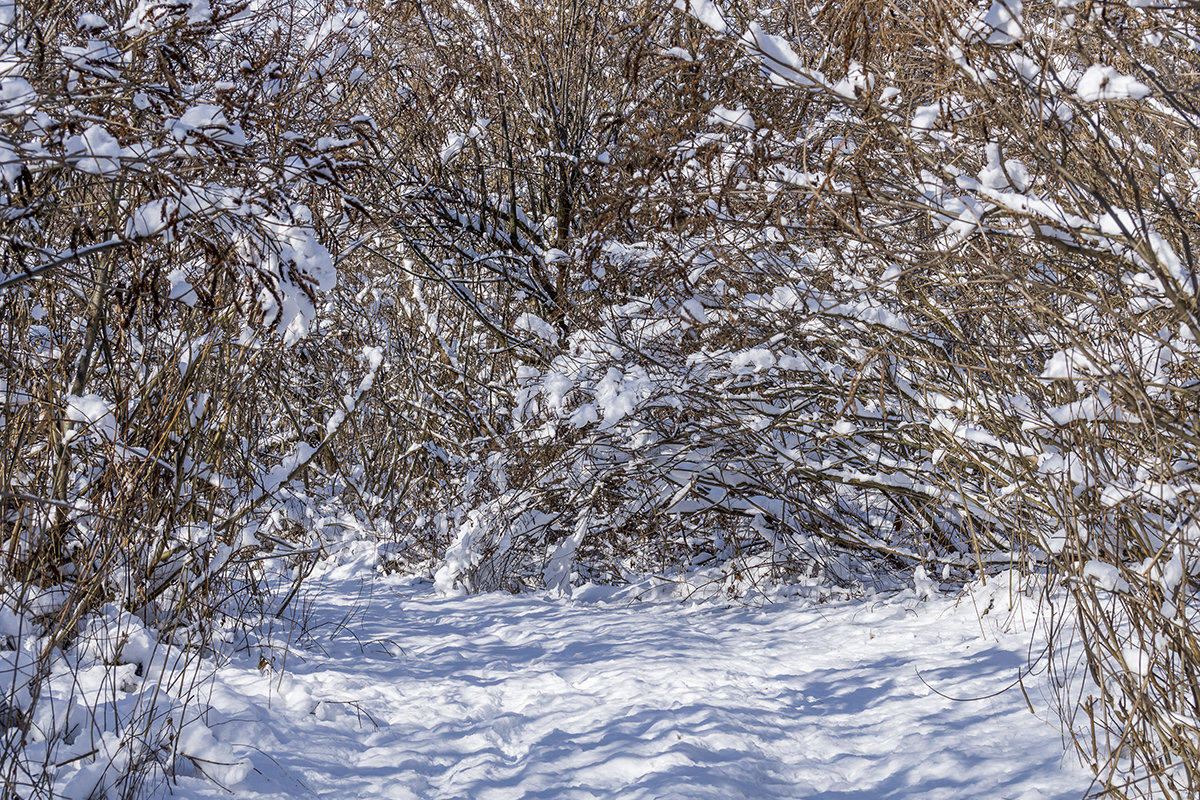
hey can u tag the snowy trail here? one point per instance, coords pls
(404, 695)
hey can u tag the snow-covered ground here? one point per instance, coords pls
(396, 693)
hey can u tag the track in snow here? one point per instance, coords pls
(404, 695)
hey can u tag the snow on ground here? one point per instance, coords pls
(396, 693)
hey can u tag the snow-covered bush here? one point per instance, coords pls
(1009, 182)
(872, 289)
(170, 186)
(871, 292)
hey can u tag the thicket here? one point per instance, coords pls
(539, 294)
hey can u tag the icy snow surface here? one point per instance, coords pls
(398, 694)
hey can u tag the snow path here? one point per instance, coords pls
(404, 695)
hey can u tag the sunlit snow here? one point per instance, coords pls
(391, 692)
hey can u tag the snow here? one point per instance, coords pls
(557, 573)
(1105, 575)
(92, 414)
(15, 95)
(555, 388)
(706, 12)
(392, 692)
(1070, 364)
(206, 121)
(999, 178)
(856, 83)
(999, 25)
(692, 311)
(618, 394)
(10, 166)
(1100, 82)
(151, 219)
(455, 141)
(295, 250)
(779, 60)
(756, 359)
(539, 327)
(926, 117)
(584, 415)
(680, 53)
(453, 146)
(281, 473)
(95, 151)
(151, 15)
(1173, 572)
(181, 288)
(731, 117)
(91, 22)
(553, 255)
